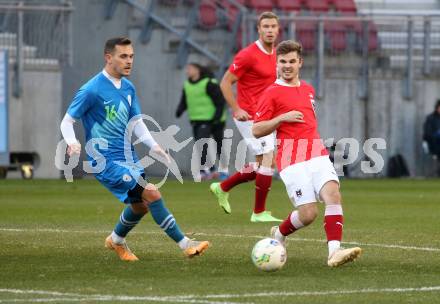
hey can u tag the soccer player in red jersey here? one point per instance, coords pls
(253, 69)
(287, 106)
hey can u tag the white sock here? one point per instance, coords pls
(183, 244)
(117, 239)
(333, 246)
(279, 236)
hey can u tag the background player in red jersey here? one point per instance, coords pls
(253, 69)
(287, 106)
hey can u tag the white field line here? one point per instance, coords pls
(39, 292)
(44, 300)
(117, 299)
(322, 293)
(198, 298)
(294, 239)
(76, 297)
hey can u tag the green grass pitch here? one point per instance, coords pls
(52, 247)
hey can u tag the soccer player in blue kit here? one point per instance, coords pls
(106, 104)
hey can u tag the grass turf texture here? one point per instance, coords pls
(52, 239)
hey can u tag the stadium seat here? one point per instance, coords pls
(306, 34)
(344, 5)
(207, 14)
(336, 34)
(261, 5)
(317, 6)
(289, 5)
(242, 2)
(231, 12)
(352, 25)
(373, 41)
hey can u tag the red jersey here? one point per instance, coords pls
(297, 142)
(256, 70)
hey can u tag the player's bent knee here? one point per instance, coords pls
(308, 214)
(332, 197)
(309, 218)
(330, 193)
(151, 193)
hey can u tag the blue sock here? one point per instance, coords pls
(127, 221)
(165, 220)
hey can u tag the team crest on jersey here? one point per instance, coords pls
(126, 178)
(129, 99)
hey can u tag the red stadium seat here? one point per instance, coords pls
(336, 33)
(373, 41)
(344, 5)
(232, 12)
(207, 14)
(352, 25)
(306, 34)
(289, 5)
(317, 6)
(261, 5)
(243, 2)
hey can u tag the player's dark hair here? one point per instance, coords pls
(267, 15)
(289, 46)
(111, 44)
(437, 105)
(205, 72)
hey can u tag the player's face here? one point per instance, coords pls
(268, 30)
(120, 61)
(288, 66)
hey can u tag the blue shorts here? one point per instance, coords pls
(120, 180)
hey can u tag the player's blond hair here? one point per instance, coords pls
(267, 15)
(289, 46)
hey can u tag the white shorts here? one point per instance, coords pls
(258, 146)
(304, 180)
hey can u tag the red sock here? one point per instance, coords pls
(247, 174)
(262, 187)
(290, 224)
(333, 225)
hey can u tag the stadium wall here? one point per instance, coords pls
(34, 118)
(389, 116)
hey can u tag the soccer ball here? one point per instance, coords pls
(269, 255)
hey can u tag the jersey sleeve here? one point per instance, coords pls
(135, 108)
(265, 108)
(242, 62)
(80, 103)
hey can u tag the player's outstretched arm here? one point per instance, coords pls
(263, 128)
(66, 127)
(144, 135)
(226, 86)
